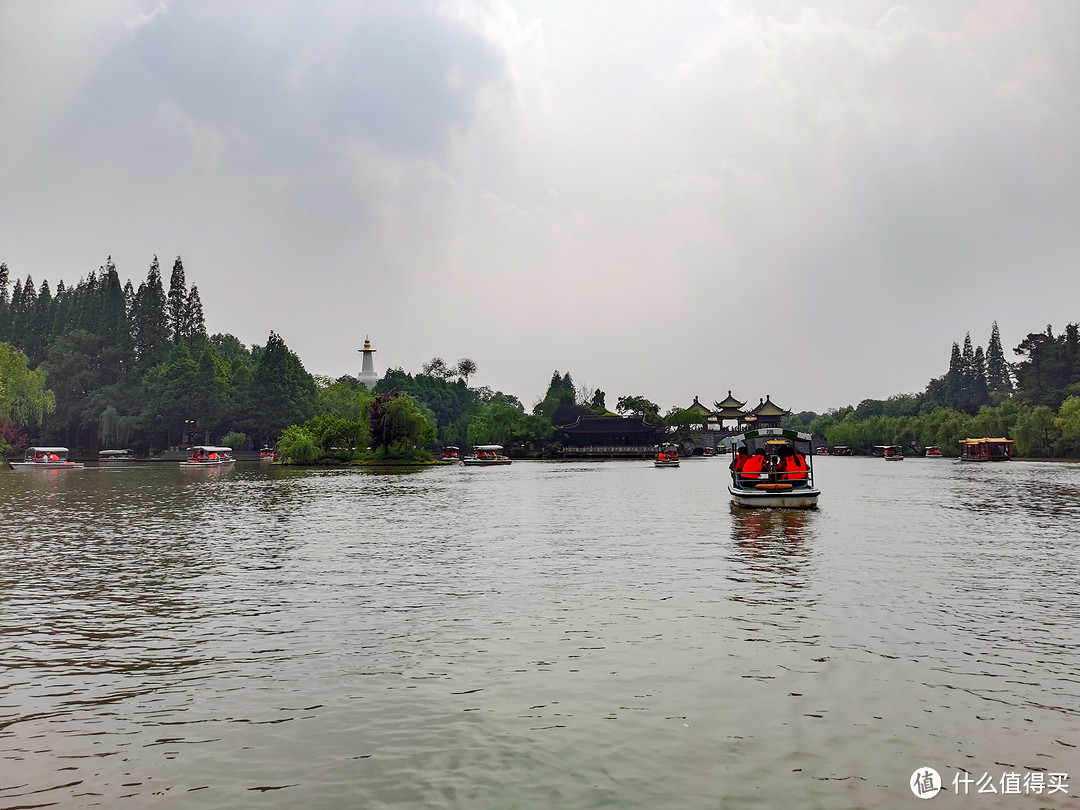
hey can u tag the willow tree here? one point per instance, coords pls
(24, 397)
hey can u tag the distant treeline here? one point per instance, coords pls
(1035, 401)
(103, 364)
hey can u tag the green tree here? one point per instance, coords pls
(465, 369)
(997, 369)
(639, 406)
(209, 401)
(149, 320)
(296, 445)
(1036, 432)
(398, 426)
(282, 392)
(24, 397)
(177, 302)
(1067, 422)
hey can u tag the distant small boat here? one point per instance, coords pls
(822, 451)
(667, 455)
(204, 455)
(450, 453)
(45, 458)
(890, 452)
(486, 455)
(986, 449)
(112, 456)
(841, 450)
(932, 452)
(267, 454)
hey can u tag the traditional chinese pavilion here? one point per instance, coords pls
(730, 410)
(766, 414)
(709, 418)
(609, 436)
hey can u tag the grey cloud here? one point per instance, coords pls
(393, 75)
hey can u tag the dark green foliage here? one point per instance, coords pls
(452, 404)
(398, 426)
(560, 406)
(998, 377)
(149, 322)
(177, 302)
(282, 392)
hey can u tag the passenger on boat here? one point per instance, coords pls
(754, 466)
(793, 465)
(53, 457)
(739, 461)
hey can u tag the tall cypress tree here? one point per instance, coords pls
(23, 319)
(114, 329)
(979, 389)
(954, 378)
(997, 369)
(5, 302)
(177, 301)
(194, 323)
(149, 319)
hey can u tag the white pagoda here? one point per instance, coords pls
(367, 371)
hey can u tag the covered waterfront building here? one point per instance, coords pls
(367, 369)
(609, 437)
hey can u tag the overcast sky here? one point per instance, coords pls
(811, 201)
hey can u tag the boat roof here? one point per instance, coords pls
(451, 447)
(986, 441)
(762, 432)
(211, 449)
(114, 452)
(888, 447)
(46, 450)
(487, 447)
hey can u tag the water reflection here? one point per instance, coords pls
(772, 552)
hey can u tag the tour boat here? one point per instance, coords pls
(450, 453)
(667, 455)
(486, 455)
(45, 458)
(208, 456)
(841, 450)
(986, 449)
(890, 452)
(266, 454)
(822, 451)
(932, 452)
(773, 467)
(113, 456)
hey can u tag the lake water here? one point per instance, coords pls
(544, 635)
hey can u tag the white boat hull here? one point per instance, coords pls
(485, 462)
(45, 465)
(215, 463)
(665, 464)
(774, 499)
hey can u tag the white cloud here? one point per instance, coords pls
(139, 20)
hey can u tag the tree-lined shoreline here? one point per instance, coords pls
(105, 364)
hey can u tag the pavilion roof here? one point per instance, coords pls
(768, 408)
(729, 402)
